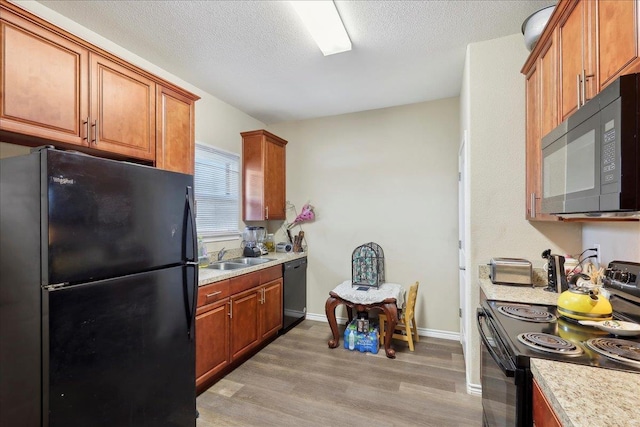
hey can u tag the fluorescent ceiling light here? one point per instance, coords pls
(323, 22)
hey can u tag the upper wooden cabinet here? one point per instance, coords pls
(585, 46)
(44, 81)
(264, 176)
(175, 118)
(577, 50)
(618, 25)
(59, 89)
(122, 117)
(541, 116)
(599, 42)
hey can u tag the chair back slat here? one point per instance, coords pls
(411, 301)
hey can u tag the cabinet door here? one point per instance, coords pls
(252, 178)
(571, 66)
(245, 321)
(618, 36)
(546, 116)
(533, 141)
(548, 68)
(212, 341)
(264, 176)
(275, 180)
(122, 110)
(175, 146)
(44, 82)
(543, 415)
(271, 309)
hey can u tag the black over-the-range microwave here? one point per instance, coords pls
(591, 161)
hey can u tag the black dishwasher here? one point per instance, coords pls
(295, 293)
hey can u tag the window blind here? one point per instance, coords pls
(216, 182)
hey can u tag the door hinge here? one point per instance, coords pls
(459, 176)
(459, 244)
(459, 312)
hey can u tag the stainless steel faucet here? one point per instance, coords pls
(221, 254)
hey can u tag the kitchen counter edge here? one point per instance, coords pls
(518, 293)
(596, 396)
(207, 276)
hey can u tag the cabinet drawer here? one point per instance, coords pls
(209, 294)
(271, 273)
(244, 282)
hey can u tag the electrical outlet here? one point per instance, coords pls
(596, 246)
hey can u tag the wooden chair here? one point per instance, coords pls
(406, 320)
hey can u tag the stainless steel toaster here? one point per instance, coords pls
(513, 271)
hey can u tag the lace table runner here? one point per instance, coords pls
(371, 296)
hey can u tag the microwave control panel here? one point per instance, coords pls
(609, 156)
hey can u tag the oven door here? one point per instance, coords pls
(504, 388)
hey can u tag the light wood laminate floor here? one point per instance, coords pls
(298, 381)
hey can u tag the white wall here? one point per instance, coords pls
(217, 123)
(619, 241)
(493, 112)
(387, 176)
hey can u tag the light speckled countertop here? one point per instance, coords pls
(209, 275)
(517, 293)
(586, 396)
(581, 396)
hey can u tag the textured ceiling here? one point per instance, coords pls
(257, 56)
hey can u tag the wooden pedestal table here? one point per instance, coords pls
(388, 297)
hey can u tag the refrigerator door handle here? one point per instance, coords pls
(191, 263)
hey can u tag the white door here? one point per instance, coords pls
(462, 160)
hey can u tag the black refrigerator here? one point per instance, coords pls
(98, 288)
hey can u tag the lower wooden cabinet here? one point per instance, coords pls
(212, 341)
(245, 321)
(271, 309)
(212, 330)
(543, 415)
(235, 318)
(256, 315)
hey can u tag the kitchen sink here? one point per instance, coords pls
(238, 263)
(251, 261)
(227, 266)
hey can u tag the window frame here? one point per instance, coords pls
(228, 233)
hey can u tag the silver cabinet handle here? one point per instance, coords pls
(578, 90)
(95, 132)
(533, 205)
(213, 294)
(86, 129)
(266, 216)
(584, 89)
(230, 309)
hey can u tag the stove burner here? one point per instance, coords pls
(528, 313)
(621, 350)
(549, 343)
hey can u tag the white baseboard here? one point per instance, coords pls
(423, 332)
(474, 389)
